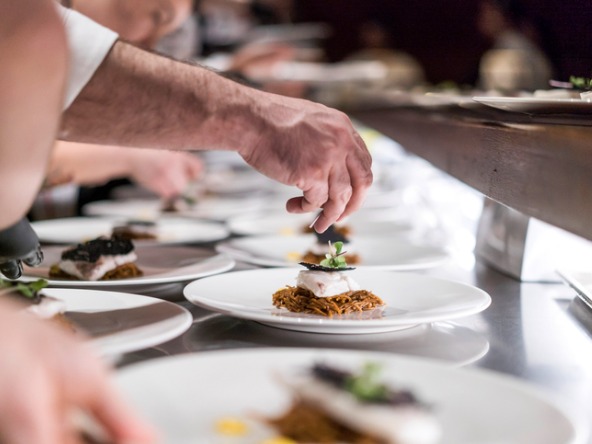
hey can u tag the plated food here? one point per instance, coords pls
(191, 394)
(166, 268)
(98, 259)
(409, 300)
(335, 405)
(326, 289)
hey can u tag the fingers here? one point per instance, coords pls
(96, 395)
(361, 179)
(117, 419)
(32, 413)
(340, 192)
(312, 199)
(194, 167)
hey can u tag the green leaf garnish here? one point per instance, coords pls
(30, 290)
(583, 83)
(366, 386)
(334, 259)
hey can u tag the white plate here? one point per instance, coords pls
(160, 264)
(185, 396)
(168, 230)
(534, 105)
(122, 322)
(365, 223)
(387, 253)
(234, 182)
(410, 300)
(207, 208)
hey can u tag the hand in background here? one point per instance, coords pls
(166, 173)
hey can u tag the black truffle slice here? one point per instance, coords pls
(92, 250)
(317, 267)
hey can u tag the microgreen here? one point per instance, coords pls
(583, 83)
(366, 386)
(29, 290)
(335, 258)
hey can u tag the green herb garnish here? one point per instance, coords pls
(366, 386)
(30, 290)
(583, 83)
(335, 258)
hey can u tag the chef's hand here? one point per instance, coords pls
(18, 243)
(317, 149)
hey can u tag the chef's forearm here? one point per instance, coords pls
(141, 99)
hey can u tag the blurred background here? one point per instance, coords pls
(443, 34)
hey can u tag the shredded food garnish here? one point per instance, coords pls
(306, 424)
(301, 300)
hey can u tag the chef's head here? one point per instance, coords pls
(142, 22)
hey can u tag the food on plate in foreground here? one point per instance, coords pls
(332, 405)
(326, 289)
(98, 259)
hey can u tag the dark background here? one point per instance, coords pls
(442, 35)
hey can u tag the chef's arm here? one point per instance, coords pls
(140, 99)
(34, 63)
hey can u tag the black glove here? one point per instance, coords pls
(18, 243)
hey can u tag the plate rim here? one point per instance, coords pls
(223, 231)
(118, 348)
(226, 263)
(254, 259)
(510, 104)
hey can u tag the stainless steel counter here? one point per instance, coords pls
(540, 333)
(537, 332)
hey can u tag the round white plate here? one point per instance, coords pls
(410, 300)
(122, 322)
(282, 223)
(535, 105)
(185, 396)
(227, 181)
(206, 208)
(168, 230)
(221, 209)
(387, 253)
(160, 264)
